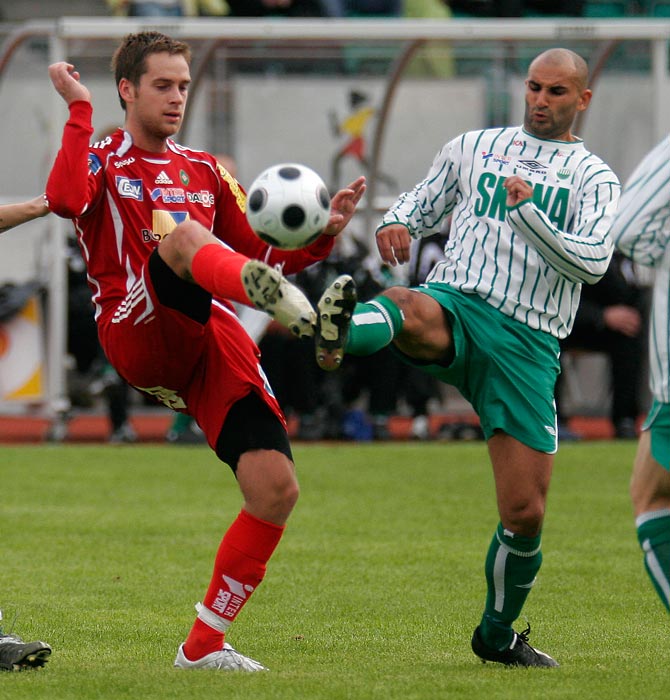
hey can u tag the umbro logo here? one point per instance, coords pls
(532, 164)
(163, 179)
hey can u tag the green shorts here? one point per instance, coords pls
(505, 369)
(658, 422)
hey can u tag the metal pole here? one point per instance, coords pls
(58, 401)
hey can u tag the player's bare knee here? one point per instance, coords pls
(524, 519)
(181, 244)
(271, 493)
(426, 333)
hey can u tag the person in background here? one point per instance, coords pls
(276, 8)
(641, 231)
(82, 335)
(530, 211)
(17, 655)
(17, 213)
(168, 8)
(610, 319)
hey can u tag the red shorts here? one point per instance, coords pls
(169, 340)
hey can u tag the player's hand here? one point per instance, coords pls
(67, 82)
(393, 244)
(623, 319)
(343, 205)
(517, 190)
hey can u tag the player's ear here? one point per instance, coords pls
(126, 90)
(584, 100)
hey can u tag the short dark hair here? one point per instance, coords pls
(129, 60)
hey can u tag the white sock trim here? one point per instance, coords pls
(656, 571)
(651, 515)
(211, 619)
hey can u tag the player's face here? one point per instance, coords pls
(553, 98)
(155, 108)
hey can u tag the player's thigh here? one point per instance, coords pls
(158, 332)
(230, 371)
(425, 334)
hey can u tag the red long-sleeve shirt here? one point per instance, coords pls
(124, 200)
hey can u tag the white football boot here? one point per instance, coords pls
(270, 291)
(228, 659)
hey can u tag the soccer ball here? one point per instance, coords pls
(288, 206)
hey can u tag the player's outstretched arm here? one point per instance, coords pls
(19, 213)
(343, 205)
(69, 189)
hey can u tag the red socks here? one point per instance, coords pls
(219, 270)
(238, 569)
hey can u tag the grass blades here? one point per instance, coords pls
(373, 592)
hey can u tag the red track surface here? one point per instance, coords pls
(152, 428)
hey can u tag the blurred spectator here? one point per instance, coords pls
(289, 365)
(418, 387)
(388, 8)
(518, 8)
(610, 319)
(94, 375)
(434, 58)
(570, 8)
(167, 8)
(280, 8)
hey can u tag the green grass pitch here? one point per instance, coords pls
(373, 592)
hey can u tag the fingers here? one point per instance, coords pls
(343, 206)
(393, 243)
(517, 190)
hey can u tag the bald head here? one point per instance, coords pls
(566, 61)
(556, 90)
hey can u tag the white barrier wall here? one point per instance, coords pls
(275, 117)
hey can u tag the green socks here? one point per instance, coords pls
(373, 326)
(512, 563)
(653, 533)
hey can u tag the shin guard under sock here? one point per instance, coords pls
(373, 326)
(653, 533)
(218, 270)
(238, 570)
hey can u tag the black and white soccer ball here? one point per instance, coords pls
(288, 206)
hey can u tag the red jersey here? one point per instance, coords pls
(124, 201)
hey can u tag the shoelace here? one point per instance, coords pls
(525, 634)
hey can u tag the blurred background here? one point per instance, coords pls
(302, 81)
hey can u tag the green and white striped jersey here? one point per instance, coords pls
(641, 231)
(528, 262)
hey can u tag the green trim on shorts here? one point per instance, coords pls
(505, 369)
(658, 423)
